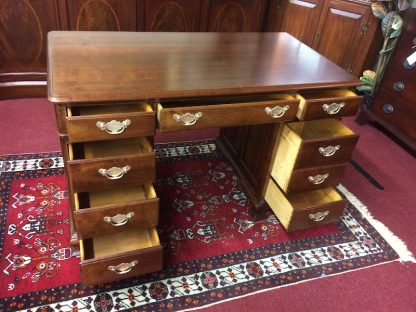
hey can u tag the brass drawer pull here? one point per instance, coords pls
(319, 216)
(122, 268)
(318, 179)
(333, 108)
(187, 119)
(277, 111)
(114, 173)
(113, 126)
(119, 219)
(329, 150)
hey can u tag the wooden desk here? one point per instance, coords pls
(110, 89)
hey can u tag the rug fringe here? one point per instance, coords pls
(395, 242)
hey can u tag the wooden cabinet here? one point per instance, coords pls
(231, 15)
(23, 29)
(102, 15)
(394, 104)
(178, 15)
(343, 31)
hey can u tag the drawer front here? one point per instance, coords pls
(109, 127)
(304, 210)
(90, 222)
(325, 152)
(97, 271)
(226, 115)
(94, 174)
(314, 178)
(328, 107)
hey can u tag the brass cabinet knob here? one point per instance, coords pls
(319, 216)
(277, 111)
(113, 126)
(318, 179)
(119, 219)
(329, 150)
(123, 268)
(333, 108)
(114, 173)
(187, 119)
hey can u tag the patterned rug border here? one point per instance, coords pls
(404, 254)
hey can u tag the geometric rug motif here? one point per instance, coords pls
(227, 261)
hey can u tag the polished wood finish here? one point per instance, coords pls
(82, 122)
(312, 104)
(240, 65)
(304, 210)
(300, 18)
(322, 24)
(98, 253)
(227, 112)
(177, 15)
(400, 120)
(232, 15)
(93, 207)
(101, 15)
(85, 159)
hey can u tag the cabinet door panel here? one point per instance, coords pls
(340, 32)
(231, 15)
(23, 29)
(297, 17)
(178, 15)
(101, 15)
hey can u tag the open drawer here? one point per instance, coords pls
(109, 121)
(115, 210)
(226, 112)
(304, 210)
(120, 255)
(327, 104)
(107, 164)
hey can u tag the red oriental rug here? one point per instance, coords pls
(214, 250)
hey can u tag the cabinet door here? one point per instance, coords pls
(341, 34)
(101, 15)
(297, 17)
(23, 31)
(178, 15)
(231, 15)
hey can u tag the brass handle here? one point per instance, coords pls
(329, 150)
(119, 219)
(122, 268)
(113, 126)
(333, 108)
(319, 216)
(277, 111)
(114, 173)
(187, 119)
(318, 179)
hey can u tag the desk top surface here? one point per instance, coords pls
(123, 66)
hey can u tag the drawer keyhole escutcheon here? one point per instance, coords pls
(329, 150)
(113, 126)
(333, 108)
(123, 268)
(318, 179)
(277, 111)
(114, 173)
(119, 219)
(187, 119)
(319, 216)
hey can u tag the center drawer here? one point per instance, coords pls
(121, 255)
(119, 209)
(107, 164)
(226, 112)
(110, 121)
